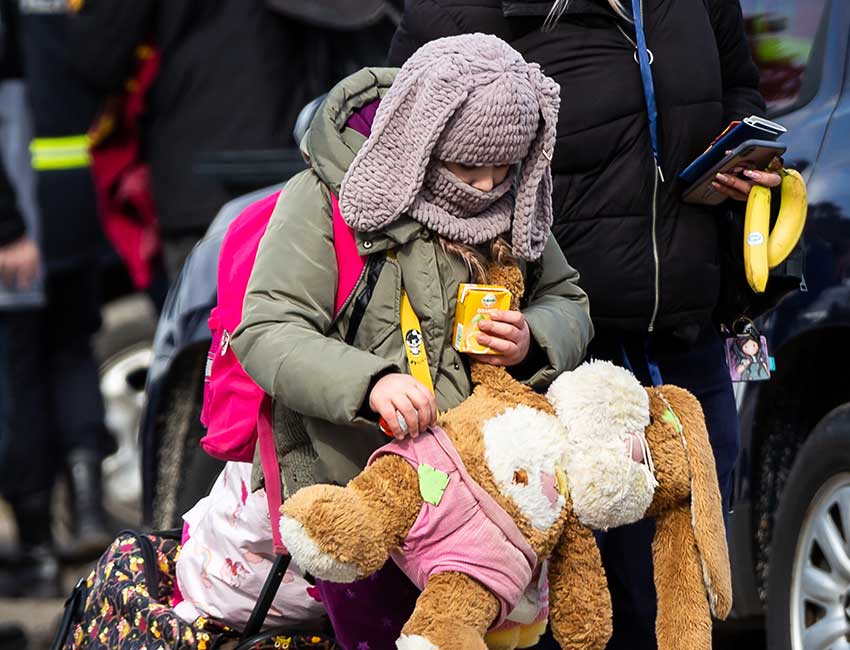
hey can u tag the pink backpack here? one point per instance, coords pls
(236, 411)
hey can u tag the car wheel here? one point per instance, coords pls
(186, 471)
(808, 590)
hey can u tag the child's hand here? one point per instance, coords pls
(508, 335)
(404, 403)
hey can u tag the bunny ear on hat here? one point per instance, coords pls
(533, 204)
(388, 170)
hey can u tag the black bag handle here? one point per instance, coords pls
(264, 602)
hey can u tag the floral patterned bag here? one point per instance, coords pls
(125, 604)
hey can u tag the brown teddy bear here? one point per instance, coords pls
(482, 509)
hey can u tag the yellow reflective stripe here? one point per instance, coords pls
(70, 152)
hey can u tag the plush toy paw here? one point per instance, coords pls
(451, 636)
(332, 534)
(414, 642)
(307, 555)
(605, 412)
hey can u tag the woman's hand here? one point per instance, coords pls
(507, 334)
(19, 262)
(738, 188)
(404, 404)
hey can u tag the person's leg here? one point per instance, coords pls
(703, 371)
(76, 401)
(627, 551)
(28, 461)
(369, 614)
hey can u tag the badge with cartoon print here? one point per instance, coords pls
(747, 354)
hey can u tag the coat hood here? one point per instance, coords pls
(329, 145)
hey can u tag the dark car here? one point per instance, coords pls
(790, 529)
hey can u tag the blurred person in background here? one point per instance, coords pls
(234, 74)
(21, 290)
(55, 419)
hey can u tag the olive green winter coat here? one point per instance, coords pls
(290, 343)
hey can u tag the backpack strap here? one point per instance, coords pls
(271, 470)
(348, 261)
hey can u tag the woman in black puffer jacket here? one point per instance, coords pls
(648, 261)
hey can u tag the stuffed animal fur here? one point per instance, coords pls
(541, 472)
(692, 573)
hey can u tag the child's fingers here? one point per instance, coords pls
(502, 330)
(515, 318)
(389, 416)
(499, 345)
(431, 400)
(407, 411)
(421, 402)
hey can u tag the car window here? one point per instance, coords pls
(782, 35)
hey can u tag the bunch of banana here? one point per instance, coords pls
(765, 248)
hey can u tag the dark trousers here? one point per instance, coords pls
(54, 405)
(627, 552)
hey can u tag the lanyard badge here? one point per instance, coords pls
(746, 353)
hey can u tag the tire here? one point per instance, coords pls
(808, 580)
(186, 472)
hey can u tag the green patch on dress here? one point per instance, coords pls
(432, 484)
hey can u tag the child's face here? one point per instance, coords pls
(481, 178)
(751, 348)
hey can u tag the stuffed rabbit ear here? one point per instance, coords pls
(389, 168)
(533, 207)
(706, 516)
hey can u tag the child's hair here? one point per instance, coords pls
(476, 258)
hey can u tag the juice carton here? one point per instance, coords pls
(475, 302)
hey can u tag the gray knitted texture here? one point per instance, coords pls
(469, 99)
(460, 212)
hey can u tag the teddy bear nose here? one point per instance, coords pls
(550, 487)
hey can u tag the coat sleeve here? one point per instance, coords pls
(558, 317)
(103, 40)
(283, 342)
(741, 96)
(12, 225)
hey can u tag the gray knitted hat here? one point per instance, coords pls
(469, 99)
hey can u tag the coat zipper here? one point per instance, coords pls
(658, 174)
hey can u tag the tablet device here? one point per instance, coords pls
(752, 154)
(750, 128)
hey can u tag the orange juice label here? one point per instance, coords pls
(475, 302)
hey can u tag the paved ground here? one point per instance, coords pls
(38, 617)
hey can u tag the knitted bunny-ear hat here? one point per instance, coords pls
(469, 99)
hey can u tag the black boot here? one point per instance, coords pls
(12, 637)
(85, 477)
(34, 571)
